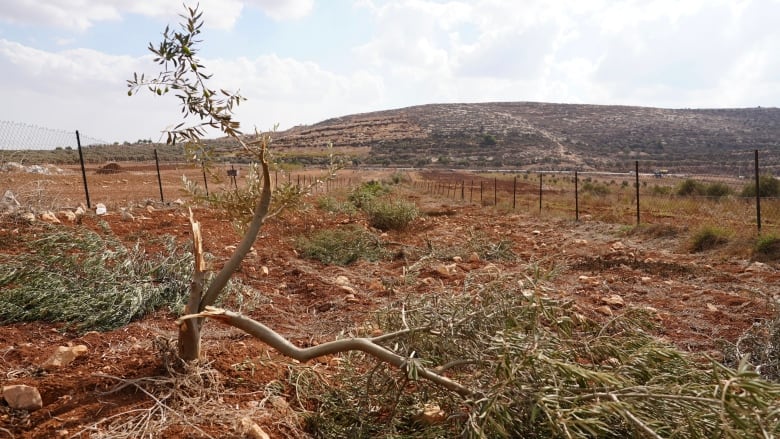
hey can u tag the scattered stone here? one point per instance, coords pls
(100, 209)
(10, 199)
(22, 397)
(342, 280)
(536, 232)
(712, 308)
(589, 280)
(178, 201)
(264, 270)
(457, 259)
(351, 298)
(431, 414)
(474, 257)
(63, 356)
(127, 215)
(252, 430)
(581, 241)
(617, 246)
(49, 217)
(149, 208)
(80, 211)
(613, 300)
(605, 310)
(757, 267)
(348, 289)
(68, 215)
(442, 270)
(646, 279)
(28, 217)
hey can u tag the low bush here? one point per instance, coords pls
(691, 187)
(708, 238)
(595, 188)
(366, 193)
(341, 246)
(332, 205)
(767, 247)
(391, 214)
(769, 185)
(717, 190)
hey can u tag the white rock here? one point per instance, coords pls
(613, 300)
(63, 356)
(536, 232)
(264, 270)
(80, 211)
(22, 397)
(712, 308)
(457, 259)
(607, 311)
(431, 414)
(68, 215)
(28, 217)
(646, 279)
(342, 280)
(252, 430)
(100, 209)
(49, 217)
(127, 216)
(10, 199)
(178, 201)
(149, 208)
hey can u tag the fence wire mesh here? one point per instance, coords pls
(691, 194)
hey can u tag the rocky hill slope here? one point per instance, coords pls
(532, 135)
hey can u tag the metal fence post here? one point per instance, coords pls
(540, 192)
(576, 197)
(514, 193)
(159, 178)
(205, 181)
(83, 171)
(495, 191)
(758, 196)
(637, 191)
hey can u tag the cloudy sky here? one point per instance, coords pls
(64, 63)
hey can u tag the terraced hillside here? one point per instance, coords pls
(542, 135)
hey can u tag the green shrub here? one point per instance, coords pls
(599, 189)
(391, 215)
(660, 190)
(769, 185)
(330, 204)
(342, 246)
(767, 248)
(691, 187)
(717, 190)
(366, 192)
(708, 238)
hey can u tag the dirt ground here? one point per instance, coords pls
(700, 301)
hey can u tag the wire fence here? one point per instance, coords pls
(739, 190)
(744, 198)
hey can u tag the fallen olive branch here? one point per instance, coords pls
(366, 345)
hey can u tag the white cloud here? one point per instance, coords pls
(80, 15)
(284, 9)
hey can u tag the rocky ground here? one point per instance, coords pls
(701, 302)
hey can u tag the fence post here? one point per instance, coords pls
(205, 181)
(462, 190)
(495, 191)
(540, 192)
(83, 171)
(758, 196)
(159, 179)
(637, 191)
(514, 193)
(576, 197)
(481, 191)
(471, 191)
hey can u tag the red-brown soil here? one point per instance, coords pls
(699, 301)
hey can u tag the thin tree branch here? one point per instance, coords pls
(281, 344)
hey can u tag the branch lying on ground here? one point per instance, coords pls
(366, 345)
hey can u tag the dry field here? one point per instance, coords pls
(701, 302)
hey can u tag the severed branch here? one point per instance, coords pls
(285, 347)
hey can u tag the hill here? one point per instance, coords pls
(532, 135)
